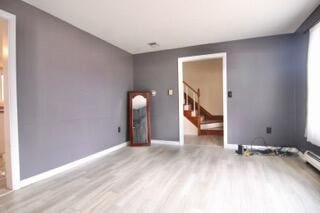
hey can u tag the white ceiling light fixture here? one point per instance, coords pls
(129, 25)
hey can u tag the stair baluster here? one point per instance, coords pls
(187, 95)
(199, 112)
(194, 105)
(194, 111)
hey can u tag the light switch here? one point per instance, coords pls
(153, 92)
(170, 92)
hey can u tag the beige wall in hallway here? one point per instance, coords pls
(2, 41)
(2, 25)
(207, 76)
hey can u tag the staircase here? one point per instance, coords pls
(206, 123)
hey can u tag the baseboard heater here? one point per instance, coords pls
(313, 159)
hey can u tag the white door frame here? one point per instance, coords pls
(10, 106)
(181, 60)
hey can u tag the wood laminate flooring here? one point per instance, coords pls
(3, 183)
(175, 179)
(204, 140)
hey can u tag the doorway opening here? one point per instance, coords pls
(3, 35)
(9, 144)
(203, 100)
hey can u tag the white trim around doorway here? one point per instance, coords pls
(181, 60)
(10, 104)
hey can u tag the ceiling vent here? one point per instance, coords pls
(153, 44)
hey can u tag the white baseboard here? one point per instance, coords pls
(235, 146)
(288, 149)
(301, 155)
(175, 143)
(69, 166)
(231, 146)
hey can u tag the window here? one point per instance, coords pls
(313, 102)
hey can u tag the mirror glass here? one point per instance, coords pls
(139, 114)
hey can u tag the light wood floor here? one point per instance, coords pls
(204, 140)
(175, 179)
(3, 183)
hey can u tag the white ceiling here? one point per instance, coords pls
(131, 24)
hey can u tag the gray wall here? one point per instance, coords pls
(71, 90)
(313, 19)
(260, 72)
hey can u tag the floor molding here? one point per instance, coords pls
(231, 146)
(174, 143)
(290, 149)
(301, 155)
(69, 166)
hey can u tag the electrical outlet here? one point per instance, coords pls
(119, 129)
(269, 130)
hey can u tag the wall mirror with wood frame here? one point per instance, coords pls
(139, 118)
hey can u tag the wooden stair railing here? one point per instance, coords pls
(196, 112)
(196, 102)
(204, 113)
